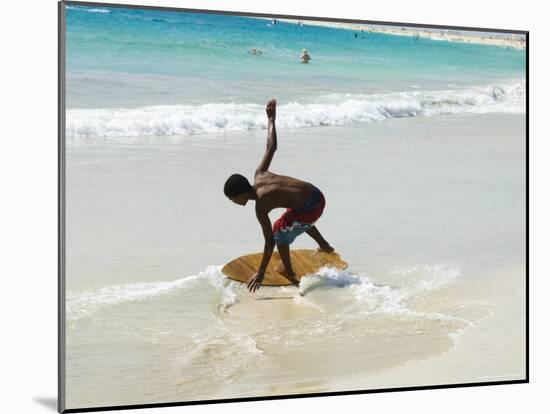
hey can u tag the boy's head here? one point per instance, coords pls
(237, 189)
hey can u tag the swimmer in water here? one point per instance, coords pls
(305, 57)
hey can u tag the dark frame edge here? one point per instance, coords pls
(527, 206)
(292, 396)
(61, 395)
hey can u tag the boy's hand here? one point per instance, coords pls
(270, 109)
(255, 281)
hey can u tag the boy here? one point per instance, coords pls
(303, 201)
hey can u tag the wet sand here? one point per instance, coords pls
(429, 209)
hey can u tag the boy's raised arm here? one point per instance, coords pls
(271, 146)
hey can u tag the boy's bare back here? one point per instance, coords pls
(276, 191)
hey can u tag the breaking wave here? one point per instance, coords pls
(330, 110)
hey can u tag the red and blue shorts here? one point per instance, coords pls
(296, 221)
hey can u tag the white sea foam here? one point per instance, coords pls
(359, 294)
(426, 278)
(372, 299)
(87, 303)
(379, 298)
(330, 110)
(229, 355)
(88, 10)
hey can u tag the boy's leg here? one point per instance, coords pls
(284, 253)
(323, 244)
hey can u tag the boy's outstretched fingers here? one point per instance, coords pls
(255, 282)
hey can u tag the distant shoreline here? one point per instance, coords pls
(516, 41)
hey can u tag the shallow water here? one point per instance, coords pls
(210, 332)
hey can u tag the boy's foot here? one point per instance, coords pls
(326, 249)
(281, 269)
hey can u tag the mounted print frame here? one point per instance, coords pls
(257, 206)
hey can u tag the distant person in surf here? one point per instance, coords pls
(305, 56)
(303, 201)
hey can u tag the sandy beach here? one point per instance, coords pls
(447, 295)
(516, 41)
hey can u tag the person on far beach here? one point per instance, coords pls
(303, 201)
(305, 56)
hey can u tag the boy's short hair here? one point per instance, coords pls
(236, 184)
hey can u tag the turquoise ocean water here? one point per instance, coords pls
(144, 72)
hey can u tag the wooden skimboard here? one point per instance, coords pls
(304, 262)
